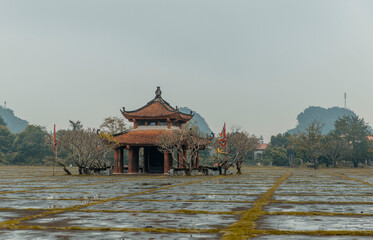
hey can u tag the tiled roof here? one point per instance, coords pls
(140, 136)
(262, 146)
(154, 109)
(157, 108)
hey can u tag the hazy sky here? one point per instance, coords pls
(255, 64)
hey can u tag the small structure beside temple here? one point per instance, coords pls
(149, 122)
(258, 152)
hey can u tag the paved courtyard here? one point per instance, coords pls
(262, 203)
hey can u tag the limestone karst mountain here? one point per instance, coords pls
(198, 120)
(325, 116)
(14, 123)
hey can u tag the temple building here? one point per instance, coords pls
(149, 122)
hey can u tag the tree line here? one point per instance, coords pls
(349, 144)
(25, 148)
(89, 148)
(79, 146)
(190, 141)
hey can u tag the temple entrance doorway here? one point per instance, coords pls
(154, 160)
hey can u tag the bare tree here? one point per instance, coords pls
(184, 143)
(59, 151)
(87, 148)
(239, 145)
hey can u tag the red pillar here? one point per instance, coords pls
(166, 163)
(171, 160)
(146, 159)
(116, 158)
(120, 162)
(169, 123)
(130, 160)
(133, 160)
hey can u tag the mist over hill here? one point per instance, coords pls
(197, 120)
(325, 116)
(14, 123)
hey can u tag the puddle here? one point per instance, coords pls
(333, 208)
(99, 235)
(315, 223)
(325, 198)
(43, 192)
(303, 237)
(216, 191)
(164, 206)
(38, 204)
(202, 197)
(136, 220)
(4, 216)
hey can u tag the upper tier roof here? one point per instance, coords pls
(157, 108)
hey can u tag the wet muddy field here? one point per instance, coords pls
(262, 203)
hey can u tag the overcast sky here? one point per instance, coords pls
(255, 64)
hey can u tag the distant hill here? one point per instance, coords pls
(14, 123)
(197, 120)
(326, 116)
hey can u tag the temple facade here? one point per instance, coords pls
(149, 122)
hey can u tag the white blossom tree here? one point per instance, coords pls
(239, 144)
(185, 143)
(86, 147)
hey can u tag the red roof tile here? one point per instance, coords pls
(141, 136)
(262, 146)
(157, 108)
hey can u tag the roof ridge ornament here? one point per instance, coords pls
(158, 93)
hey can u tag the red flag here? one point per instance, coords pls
(54, 138)
(222, 137)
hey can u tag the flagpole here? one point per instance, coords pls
(54, 161)
(54, 147)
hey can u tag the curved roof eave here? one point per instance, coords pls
(158, 99)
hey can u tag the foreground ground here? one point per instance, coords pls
(263, 203)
